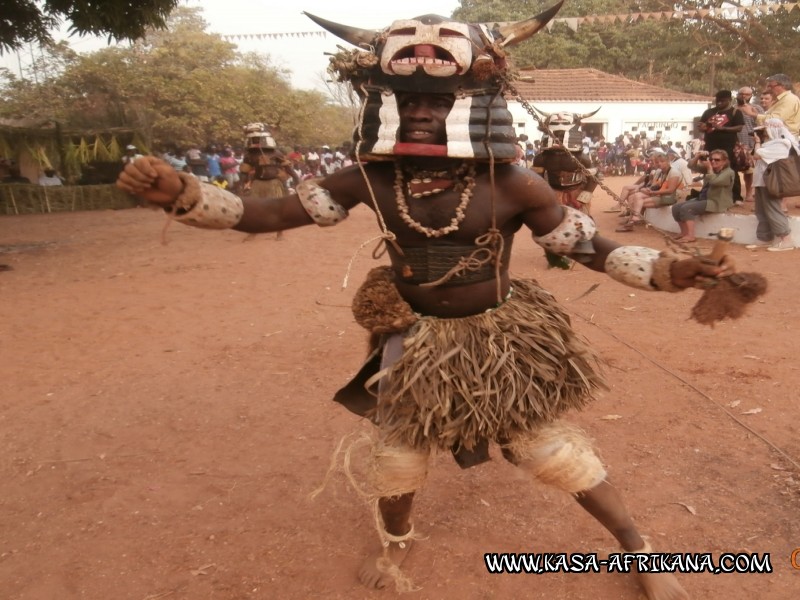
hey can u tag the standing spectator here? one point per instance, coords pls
(131, 154)
(773, 224)
(230, 168)
(721, 125)
(766, 99)
(50, 178)
(716, 195)
(212, 159)
(786, 106)
(197, 163)
(175, 158)
(746, 137)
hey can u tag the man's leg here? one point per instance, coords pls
(561, 456)
(395, 473)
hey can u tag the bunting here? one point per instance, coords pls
(729, 13)
(575, 22)
(274, 36)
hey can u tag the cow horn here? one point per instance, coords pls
(353, 35)
(587, 115)
(514, 33)
(541, 112)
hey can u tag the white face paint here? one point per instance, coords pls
(441, 49)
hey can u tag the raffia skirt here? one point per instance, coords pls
(457, 383)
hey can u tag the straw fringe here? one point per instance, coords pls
(493, 375)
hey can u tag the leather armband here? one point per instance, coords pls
(206, 206)
(319, 204)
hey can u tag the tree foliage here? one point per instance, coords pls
(23, 21)
(699, 55)
(181, 86)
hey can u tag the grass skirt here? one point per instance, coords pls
(488, 376)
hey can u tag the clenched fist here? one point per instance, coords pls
(699, 272)
(151, 179)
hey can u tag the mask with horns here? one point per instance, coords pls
(432, 54)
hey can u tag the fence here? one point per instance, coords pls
(21, 199)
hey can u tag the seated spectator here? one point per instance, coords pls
(14, 176)
(50, 178)
(647, 179)
(666, 195)
(773, 227)
(715, 196)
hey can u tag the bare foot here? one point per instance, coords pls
(379, 570)
(662, 586)
(685, 240)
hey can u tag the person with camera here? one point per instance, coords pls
(721, 125)
(746, 136)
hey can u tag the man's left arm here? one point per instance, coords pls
(567, 232)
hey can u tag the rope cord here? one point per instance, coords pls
(529, 109)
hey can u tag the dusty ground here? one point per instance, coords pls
(165, 412)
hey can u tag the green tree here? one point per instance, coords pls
(691, 54)
(23, 21)
(182, 86)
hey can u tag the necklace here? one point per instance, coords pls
(460, 213)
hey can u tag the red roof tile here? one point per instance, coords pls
(584, 85)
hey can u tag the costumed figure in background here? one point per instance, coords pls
(556, 161)
(461, 354)
(265, 170)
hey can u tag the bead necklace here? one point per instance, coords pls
(402, 205)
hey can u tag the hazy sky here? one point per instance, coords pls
(304, 56)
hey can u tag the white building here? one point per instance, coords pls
(625, 105)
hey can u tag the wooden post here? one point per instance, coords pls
(13, 202)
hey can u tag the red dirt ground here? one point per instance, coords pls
(166, 412)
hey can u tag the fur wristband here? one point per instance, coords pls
(319, 204)
(206, 206)
(575, 227)
(642, 268)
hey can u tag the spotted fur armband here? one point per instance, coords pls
(206, 206)
(575, 228)
(319, 204)
(642, 268)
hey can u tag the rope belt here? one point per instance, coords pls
(425, 264)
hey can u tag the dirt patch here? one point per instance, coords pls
(166, 412)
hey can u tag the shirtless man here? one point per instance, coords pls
(431, 205)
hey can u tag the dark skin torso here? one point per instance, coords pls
(521, 198)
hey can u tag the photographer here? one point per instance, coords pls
(721, 125)
(745, 137)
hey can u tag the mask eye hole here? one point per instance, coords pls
(444, 32)
(404, 31)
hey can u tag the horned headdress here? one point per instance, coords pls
(433, 54)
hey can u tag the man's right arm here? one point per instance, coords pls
(155, 181)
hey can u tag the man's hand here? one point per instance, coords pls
(699, 272)
(151, 179)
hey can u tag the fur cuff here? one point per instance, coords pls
(642, 268)
(662, 273)
(206, 206)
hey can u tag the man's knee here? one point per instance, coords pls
(559, 455)
(396, 470)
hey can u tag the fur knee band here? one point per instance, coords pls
(206, 206)
(319, 204)
(559, 455)
(394, 471)
(642, 268)
(576, 227)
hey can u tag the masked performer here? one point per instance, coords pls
(462, 354)
(561, 158)
(264, 168)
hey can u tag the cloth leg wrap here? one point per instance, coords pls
(559, 455)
